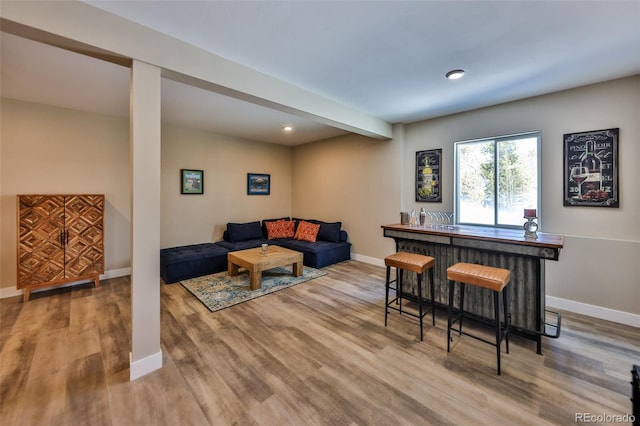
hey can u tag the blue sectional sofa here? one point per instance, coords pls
(331, 245)
(181, 263)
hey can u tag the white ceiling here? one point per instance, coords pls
(384, 58)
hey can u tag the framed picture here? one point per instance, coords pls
(258, 184)
(428, 173)
(191, 181)
(591, 168)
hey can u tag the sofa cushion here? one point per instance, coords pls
(244, 231)
(320, 253)
(243, 245)
(280, 229)
(181, 263)
(307, 231)
(329, 231)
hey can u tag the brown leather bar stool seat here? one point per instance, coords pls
(411, 262)
(494, 279)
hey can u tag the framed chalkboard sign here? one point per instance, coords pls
(428, 173)
(591, 168)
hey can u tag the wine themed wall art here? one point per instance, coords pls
(591, 168)
(428, 174)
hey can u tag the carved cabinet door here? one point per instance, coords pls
(60, 237)
(84, 236)
(40, 240)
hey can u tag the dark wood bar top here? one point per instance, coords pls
(484, 233)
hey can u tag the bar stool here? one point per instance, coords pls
(415, 263)
(495, 279)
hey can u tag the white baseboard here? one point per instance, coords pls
(10, 292)
(144, 366)
(594, 311)
(366, 259)
(554, 302)
(113, 273)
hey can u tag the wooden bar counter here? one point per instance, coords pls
(498, 247)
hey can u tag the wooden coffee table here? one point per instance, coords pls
(256, 262)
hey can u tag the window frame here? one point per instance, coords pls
(496, 139)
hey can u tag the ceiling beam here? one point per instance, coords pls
(82, 28)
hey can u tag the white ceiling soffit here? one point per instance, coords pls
(39, 73)
(188, 106)
(36, 72)
(388, 58)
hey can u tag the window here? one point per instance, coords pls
(496, 179)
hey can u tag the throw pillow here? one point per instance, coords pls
(307, 231)
(280, 229)
(244, 231)
(329, 231)
(264, 224)
(290, 228)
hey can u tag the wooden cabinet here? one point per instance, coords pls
(60, 240)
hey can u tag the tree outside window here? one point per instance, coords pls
(496, 179)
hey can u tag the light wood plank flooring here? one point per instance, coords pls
(314, 354)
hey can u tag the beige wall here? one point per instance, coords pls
(362, 182)
(601, 106)
(366, 183)
(189, 219)
(596, 267)
(55, 150)
(352, 179)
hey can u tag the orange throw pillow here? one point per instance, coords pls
(280, 229)
(307, 231)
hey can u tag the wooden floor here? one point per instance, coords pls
(314, 354)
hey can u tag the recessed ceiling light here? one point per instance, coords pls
(287, 129)
(454, 74)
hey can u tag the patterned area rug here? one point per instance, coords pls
(219, 291)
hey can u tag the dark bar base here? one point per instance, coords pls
(635, 394)
(524, 259)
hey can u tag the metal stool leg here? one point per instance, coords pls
(505, 301)
(397, 281)
(450, 315)
(386, 296)
(420, 302)
(406, 263)
(399, 292)
(496, 310)
(490, 278)
(433, 297)
(462, 286)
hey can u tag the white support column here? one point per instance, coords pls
(146, 355)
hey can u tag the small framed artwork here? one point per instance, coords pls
(591, 168)
(428, 173)
(191, 181)
(258, 184)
